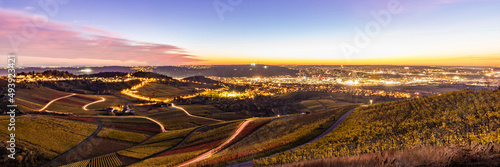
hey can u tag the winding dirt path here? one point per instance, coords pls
(215, 150)
(48, 104)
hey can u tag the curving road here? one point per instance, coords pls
(48, 104)
(98, 101)
(213, 151)
(329, 130)
(151, 119)
(180, 108)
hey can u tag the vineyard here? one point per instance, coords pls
(157, 144)
(175, 119)
(164, 91)
(110, 101)
(278, 135)
(140, 125)
(198, 143)
(212, 112)
(122, 135)
(30, 131)
(34, 99)
(74, 105)
(109, 160)
(462, 117)
(214, 132)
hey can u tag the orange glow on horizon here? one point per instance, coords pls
(489, 60)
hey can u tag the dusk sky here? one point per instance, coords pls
(174, 32)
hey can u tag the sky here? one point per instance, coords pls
(273, 32)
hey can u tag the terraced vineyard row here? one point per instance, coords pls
(278, 135)
(198, 143)
(109, 160)
(461, 117)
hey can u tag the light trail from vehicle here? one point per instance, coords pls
(98, 101)
(48, 104)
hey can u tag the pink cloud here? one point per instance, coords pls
(100, 31)
(51, 40)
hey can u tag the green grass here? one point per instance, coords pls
(123, 135)
(157, 144)
(461, 117)
(50, 136)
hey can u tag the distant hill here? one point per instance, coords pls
(107, 74)
(201, 79)
(149, 75)
(228, 71)
(176, 71)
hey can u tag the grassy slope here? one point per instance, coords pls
(35, 99)
(211, 112)
(196, 144)
(74, 104)
(157, 144)
(175, 119)
(111, 100)
(453, 118)
(45, 134)
(278, 135)
(165, 91)
(123, 135)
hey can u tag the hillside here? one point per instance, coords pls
(461, 118)
(201, 79)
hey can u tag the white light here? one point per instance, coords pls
(87, 70)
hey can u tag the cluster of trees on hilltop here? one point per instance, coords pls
(142, 74)
(49, 73)
(201, 79)
(107, 74)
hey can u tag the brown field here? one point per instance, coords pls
(452, 155)
(212, 112)
(97, 146)
(160, 91)
(35, 99)
(175, 119)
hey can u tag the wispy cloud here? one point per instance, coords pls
(55, 40)
(28, 8)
